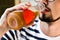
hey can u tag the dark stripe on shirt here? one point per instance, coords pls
(36, 31)
(12, 34)
(36, 20)
(24, 36)
(7, 37)
(32, 35)
(3, 38)
(16, 34)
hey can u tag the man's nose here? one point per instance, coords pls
(45, 1)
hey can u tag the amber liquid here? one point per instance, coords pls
(16, 19)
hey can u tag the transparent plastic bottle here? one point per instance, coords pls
(18, 19)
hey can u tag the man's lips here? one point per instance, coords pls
(44, 11)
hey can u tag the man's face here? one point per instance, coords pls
(51, 11)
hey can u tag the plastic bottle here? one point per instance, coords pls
(18, 19)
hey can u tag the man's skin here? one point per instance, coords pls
(53, 27)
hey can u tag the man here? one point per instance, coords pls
(50, 15)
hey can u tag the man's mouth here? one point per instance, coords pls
(46, 16)
(44, 11)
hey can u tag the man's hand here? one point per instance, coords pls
(3, 22)
(20, 6)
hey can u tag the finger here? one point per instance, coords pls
(28, 4)
(4, 16)
(22, 5)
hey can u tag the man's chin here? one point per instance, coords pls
(48, 20)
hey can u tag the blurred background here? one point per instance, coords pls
(6, 4)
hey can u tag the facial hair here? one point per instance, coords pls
(48, 18)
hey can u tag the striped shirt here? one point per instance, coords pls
(31, 33)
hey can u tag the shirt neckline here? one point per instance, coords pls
(41, 33)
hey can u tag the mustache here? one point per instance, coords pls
(46, 9)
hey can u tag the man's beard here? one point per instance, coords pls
(48, 18)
